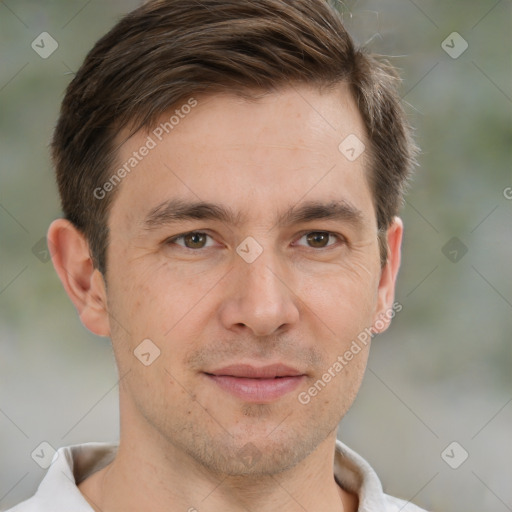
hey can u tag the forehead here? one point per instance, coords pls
(252, 155)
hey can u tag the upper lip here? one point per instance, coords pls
(254, 372)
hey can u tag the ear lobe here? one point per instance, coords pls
(386, 292)
(83, 283)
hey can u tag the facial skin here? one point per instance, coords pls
(301, 303)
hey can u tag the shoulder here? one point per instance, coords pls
(25, 506)
(58, 490)
(398, 505)
(356, 475)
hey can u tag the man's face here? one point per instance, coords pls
(221, 314)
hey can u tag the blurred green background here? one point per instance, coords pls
(441, 373)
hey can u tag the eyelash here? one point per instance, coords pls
(341, 240)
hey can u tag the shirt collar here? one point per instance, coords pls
(355, 475)
(73, 464)
(70, 466)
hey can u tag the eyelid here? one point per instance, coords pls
(173, 239)
(341, 239)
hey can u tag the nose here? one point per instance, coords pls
(259, 297)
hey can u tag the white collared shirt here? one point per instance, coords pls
(58, 491)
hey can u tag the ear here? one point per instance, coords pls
(83, 283)
(386, 309)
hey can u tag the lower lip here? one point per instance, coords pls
(257, 390)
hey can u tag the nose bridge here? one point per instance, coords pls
(262, 274)
(260, 298)
(262, 283)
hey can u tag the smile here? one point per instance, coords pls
(257, 385)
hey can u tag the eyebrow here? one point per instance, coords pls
(179, 210)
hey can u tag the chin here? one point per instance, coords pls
(257, 456)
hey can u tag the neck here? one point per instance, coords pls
(158, 476)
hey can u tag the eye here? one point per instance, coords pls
(192, 240)
(320, 239)
(199, 240)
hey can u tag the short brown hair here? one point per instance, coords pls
(168, 50)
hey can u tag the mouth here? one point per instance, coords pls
(257, 384)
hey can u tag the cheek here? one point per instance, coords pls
(342, 299)
(167, 307)
(331, 393)
(151, 299)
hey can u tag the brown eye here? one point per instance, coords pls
(321, 239)
(195, 240)
(318, 239)
(192, 240)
